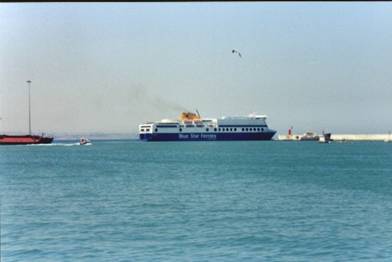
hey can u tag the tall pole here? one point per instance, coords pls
(29, 87)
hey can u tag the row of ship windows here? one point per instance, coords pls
(227, 129)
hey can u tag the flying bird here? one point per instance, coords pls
(235, 51)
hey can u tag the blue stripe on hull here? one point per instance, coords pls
(206, 136)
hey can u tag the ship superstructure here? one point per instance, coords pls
(191, 127)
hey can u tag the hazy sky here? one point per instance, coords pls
(108, 67)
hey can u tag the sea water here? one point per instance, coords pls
(196, 201)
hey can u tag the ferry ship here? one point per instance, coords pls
(191, 127)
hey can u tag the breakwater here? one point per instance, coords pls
(343, 137)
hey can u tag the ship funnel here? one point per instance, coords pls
(189, 116)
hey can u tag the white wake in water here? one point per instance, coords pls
(61, 144)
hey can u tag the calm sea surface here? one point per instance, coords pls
(196, 201)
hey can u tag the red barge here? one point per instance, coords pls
(25, 139)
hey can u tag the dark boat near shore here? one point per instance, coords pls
(24, 139)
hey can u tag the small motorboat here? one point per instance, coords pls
(84, 141)
(325, 138)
